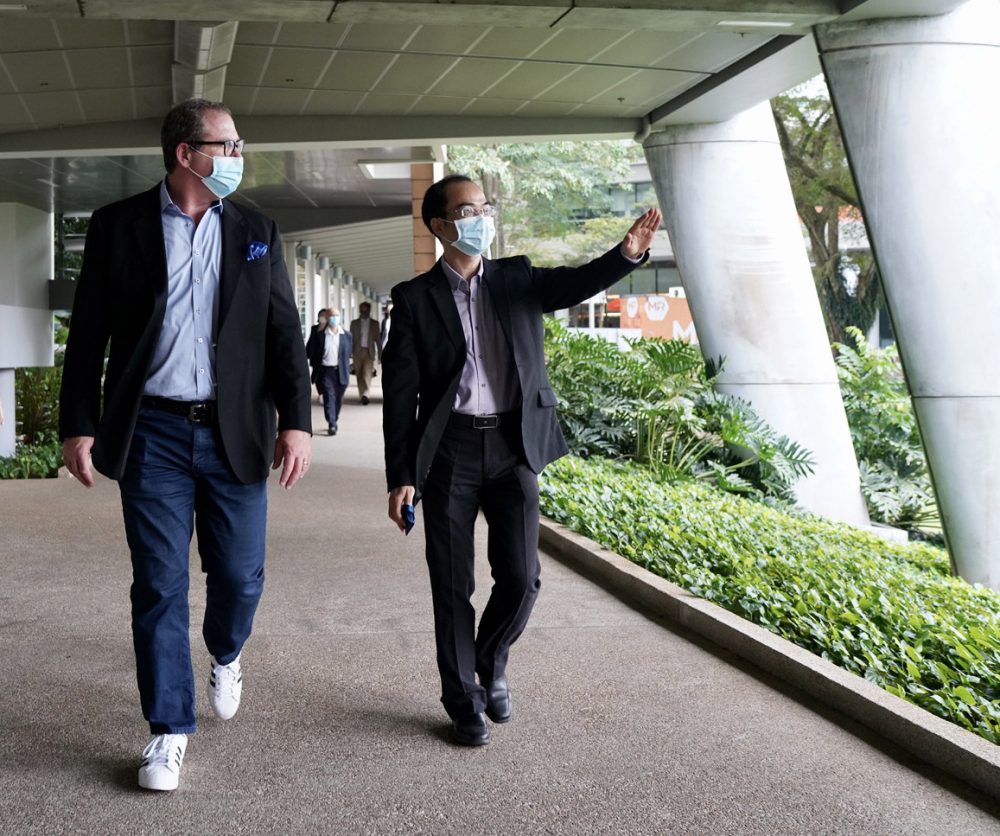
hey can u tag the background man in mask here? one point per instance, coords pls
(469, 420)
(192, 293)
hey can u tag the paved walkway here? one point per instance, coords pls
(621, 725)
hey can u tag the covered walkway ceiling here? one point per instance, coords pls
(318, 85)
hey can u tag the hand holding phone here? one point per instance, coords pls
(409, 518)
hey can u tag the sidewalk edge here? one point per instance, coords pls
(931, 739)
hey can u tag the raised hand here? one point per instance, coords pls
(639, 238)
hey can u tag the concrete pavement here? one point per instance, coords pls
(621, 725)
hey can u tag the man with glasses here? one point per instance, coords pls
(469, 420)
(191, 292)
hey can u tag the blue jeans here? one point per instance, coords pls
(177, 480)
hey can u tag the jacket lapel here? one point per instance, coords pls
(440, 291)
(148, 227)
(234, 246)
(497, 288)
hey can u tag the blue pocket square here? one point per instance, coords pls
(257, 249)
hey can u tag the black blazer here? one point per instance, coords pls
(425, 353)
(121, 295)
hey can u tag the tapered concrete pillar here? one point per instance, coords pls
(728, 209)
(7, 436)
(920, 117)
(25, 318)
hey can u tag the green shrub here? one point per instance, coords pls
(37, 393)
(890, 613)
(655, 403)
(894, 476)
(37, 461)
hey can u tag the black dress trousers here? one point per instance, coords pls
(477, 469)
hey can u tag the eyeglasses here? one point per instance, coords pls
(229, 146)
(469, 211)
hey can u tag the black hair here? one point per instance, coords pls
(184, 123)
(436, 198)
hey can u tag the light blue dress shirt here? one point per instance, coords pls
(183, 362)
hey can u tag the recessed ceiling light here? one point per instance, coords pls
(390, 169)
(757, 24)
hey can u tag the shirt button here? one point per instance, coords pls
(201, 371)
(197, 281)
(197, 310)
(201, 339)
(197, 251)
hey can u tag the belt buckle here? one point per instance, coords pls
(485, 422)
(200, 413)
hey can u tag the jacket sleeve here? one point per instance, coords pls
(563, 287)
(90, 329)
(400, 391)
(287, 369)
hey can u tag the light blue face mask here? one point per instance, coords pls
(475, 234)
(335, 319)
(227, 172)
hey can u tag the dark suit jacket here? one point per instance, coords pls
(424, 356)
(121, 295)
(315, 348)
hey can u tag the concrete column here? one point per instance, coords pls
(349, 309)
(26, 259)
(337, 288)
(323, 271)
(426, 248)
(7, 436)
(920, 117)
(308, 293)
(731, 219)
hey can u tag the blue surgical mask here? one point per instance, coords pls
(335, 320)
(227, 172)
(475, 234)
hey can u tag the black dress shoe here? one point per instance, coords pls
(470, 730)
(364, 400)
(498, 707)
(331, 431)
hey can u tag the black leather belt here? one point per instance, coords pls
(197, 412)
(483, 422)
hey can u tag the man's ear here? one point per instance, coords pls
(437, 227)
(182, 153)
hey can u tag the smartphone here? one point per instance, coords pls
(408, 518)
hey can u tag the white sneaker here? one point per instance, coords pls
(161, 762)
(225, 685)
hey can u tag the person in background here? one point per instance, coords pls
(469, 420)
(331, 358)
(322, 317)
(386, 323)
(367, 339)
(206, 387)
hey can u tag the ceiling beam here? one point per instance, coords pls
(202, 51)
(279, 133)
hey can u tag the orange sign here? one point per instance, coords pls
(658, 316)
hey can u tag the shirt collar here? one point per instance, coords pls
(167, 202)
(455, 279)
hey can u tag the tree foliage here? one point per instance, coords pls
(544, 190)
(895, 480)
(826, 200)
